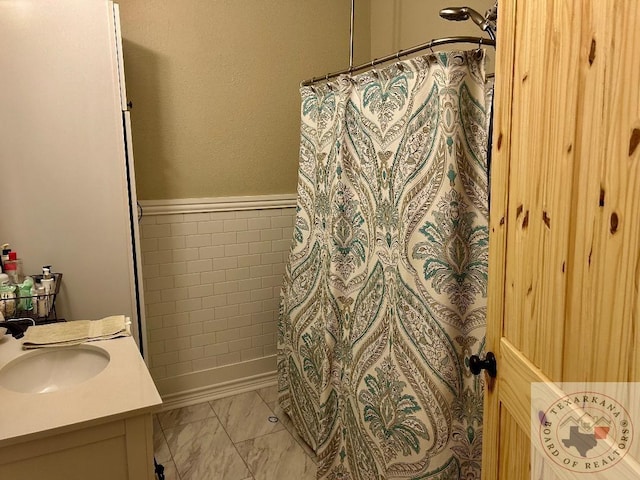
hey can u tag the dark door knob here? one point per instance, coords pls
(489, 364)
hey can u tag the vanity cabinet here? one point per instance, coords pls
(100, 428)
(116, 450)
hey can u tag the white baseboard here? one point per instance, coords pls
(206, 385)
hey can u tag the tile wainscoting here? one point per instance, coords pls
(212, 273)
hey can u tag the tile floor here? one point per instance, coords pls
(233, 438)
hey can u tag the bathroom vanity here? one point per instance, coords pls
(95, 425)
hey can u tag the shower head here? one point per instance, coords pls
(458, 14)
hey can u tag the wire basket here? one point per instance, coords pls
(37, 307)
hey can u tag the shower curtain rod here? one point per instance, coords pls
(401, 53)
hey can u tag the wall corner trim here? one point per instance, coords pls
(216, 204)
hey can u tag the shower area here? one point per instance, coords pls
(382, 315)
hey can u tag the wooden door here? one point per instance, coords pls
(565, 217)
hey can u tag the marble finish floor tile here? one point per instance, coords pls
(245, 416)
(276, 456)
(156, 422)
(170, 470)
(180, 416)
(202, 450)
(160, 447)
(284, 419)
(269, 395)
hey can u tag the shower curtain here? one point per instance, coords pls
(384, 296)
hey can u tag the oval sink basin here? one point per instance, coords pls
(52, 369)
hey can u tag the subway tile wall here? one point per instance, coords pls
(212, 286)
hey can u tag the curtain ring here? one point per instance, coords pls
(431, 46)
(373, 62)
(400, 67)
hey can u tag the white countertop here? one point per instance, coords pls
(123, 388)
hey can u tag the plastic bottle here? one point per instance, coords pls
(8, 300)
(48, 283)
(24, 292)
(4, 256)
(13, 268)
(34, 299)
(4, 298)
(41, 302)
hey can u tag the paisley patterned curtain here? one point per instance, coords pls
(384, 295)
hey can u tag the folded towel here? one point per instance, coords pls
(76, 332)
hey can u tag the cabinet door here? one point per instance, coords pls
(565, 221)
(121, 450)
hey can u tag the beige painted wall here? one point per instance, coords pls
(215, 89)
(400, 24)
(215, 83)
